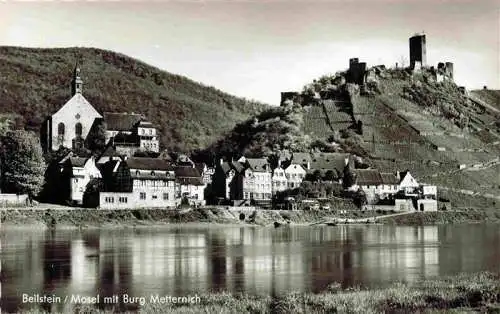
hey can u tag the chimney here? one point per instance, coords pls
(221, 161)
(398, 175)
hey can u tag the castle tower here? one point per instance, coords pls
(76, 83)
(418, 53)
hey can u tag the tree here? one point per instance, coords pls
(331, 175)
(348, 179)
(23, 165)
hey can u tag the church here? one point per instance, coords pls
(69, 127)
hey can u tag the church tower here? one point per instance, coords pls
(76, 83)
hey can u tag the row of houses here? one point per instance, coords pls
(129, 182)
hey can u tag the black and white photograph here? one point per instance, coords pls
(249, 156)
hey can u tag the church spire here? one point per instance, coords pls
(76, 83)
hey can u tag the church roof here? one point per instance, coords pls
(117, 121)
(78, 101)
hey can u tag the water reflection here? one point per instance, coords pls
(180, 260)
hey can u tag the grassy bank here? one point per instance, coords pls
(96, 218)
(465, 292)
(443, 217)
(82, 218)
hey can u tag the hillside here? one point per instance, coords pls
(443, 134)
(35, 83)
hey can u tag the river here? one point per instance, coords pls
(186, 259)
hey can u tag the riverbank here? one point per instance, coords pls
(98, 218)
(465, 292)
(136, 218)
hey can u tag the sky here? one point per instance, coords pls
(259, 48)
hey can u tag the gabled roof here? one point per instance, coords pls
(237, 166)
(78, 101)
(151, 176)
(144, 163)
(368, 177)
(389, 178)
(190, 181)
(117, 121)
(328, 161)
(187, 172)
(78, 161)
(109, 167)
(301, 158)
(258, 164)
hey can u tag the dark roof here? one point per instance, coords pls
(368, 177)
(78, 161)
(328, 161)
(145, 163)
(108, 167)
(187, 172)
(110, 151)
(226, 167)
(189, 181)
(258, 164)
(200, 166)
(238, 166)
(389, 178)
(117, 121)
(151, 176)
(301, 158)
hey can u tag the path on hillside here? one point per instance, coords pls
(483, 103)
(470, 192)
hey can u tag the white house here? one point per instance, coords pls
(279, 180)
(407, 183)
(257, 180)
(295, 174)
(390, 184)
(82, 171)
(190, 185)
(153, 182)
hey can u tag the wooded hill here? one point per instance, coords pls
(35, 83)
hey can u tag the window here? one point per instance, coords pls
(142, 196)
(154, 197)
(60, 129)
(109, 199)
(246, 195)
(78, 129)
(152, 173)
(123, 199)
(165, 196)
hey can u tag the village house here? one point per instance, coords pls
(153, 185)
(279, 180)
(131, 132)
(81, 171)
(407, 183)
(294, 174)
(190, 185)
(255, 181)
(223, 181)
(71, 124)
(389, 186)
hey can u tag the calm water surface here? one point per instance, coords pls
(187, 259)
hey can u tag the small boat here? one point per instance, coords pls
(333, 224)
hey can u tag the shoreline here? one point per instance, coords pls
(59, 218)
(460, 292)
